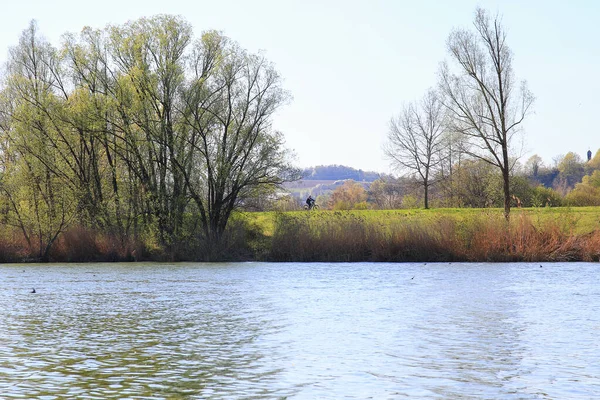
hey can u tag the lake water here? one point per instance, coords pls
(300, 331)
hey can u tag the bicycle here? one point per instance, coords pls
(311, 207)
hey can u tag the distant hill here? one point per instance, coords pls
(323, 179)
(339, 172)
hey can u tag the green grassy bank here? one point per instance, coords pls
(581, 219)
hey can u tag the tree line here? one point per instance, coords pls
(138, 130)
(142, 131)
(568, 181)
(475, 111)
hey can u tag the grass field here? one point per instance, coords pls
(580, 220)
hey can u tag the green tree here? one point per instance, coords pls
(142, 128)
(36, 176)
(348, 196)
(594, 179)
(385, 194)
(477, 184)
(533, 165)
(571, 170)
(545, 197)
(206, 136)
(452, 156)
(585, 193)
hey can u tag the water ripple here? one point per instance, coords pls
(327, 331)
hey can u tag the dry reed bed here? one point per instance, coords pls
(487, 237)
(339, 236)
(77, 244)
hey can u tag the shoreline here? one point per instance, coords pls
(463, 235)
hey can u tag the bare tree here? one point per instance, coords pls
(415, 139)
(482, 98)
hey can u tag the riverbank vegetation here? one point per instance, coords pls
(443, 235)
(134, 134)
(141, 142)
(544, 234)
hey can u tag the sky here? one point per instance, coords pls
(351, 66)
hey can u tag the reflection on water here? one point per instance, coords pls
(267, 331)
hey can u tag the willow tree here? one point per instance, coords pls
(55, 129)
(143, 124)
(36, 178)
(229, 103)
(148, 66)
(482, 98)
(191, 119)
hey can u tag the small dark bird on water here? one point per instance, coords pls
(412, 278)
(33, 290)
(540, 266)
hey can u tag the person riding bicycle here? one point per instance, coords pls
(310, 201)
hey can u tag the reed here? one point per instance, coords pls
(343, 236)
(79, 244)
(13, 247)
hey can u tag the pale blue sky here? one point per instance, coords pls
(351, 65)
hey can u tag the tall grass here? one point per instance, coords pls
(344, 236)
(240, 241)
(341, 236)
(79, 244)
(13, 246)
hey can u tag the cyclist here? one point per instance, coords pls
(310, 201)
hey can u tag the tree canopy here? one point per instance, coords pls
(137, 129)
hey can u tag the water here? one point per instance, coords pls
(300, 331)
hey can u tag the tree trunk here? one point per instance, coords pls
(505, 179)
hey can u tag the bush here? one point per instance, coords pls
(410, 201)
(583, 195)
(545, 197)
